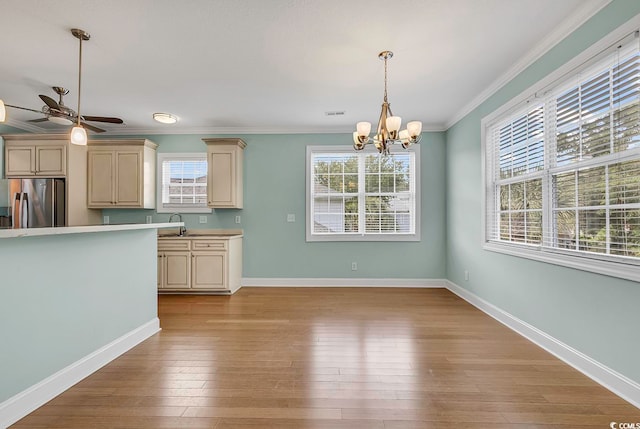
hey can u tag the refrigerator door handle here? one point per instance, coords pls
(17, 206)
(24, 208)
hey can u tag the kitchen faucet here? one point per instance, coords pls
(183, 230)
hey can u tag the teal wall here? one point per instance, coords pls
(65, 296)
(594, 314)
(274, 185)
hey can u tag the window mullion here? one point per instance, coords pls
(361, 193)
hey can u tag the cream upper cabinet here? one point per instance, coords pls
(225, 159)
(121, 173)
(47, 159)
(52, 155)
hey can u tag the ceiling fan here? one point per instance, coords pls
(58, 113)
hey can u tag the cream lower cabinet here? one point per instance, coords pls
(176, 270)
(199, 264)
(208, 270)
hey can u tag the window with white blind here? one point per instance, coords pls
(182, 183)
(562, 171)
(362, 196)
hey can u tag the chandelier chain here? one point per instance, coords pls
(385, 79)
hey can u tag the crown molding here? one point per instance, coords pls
(581, 15)
(25, 126)
(171, 130)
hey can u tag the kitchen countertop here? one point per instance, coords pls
(33, 232)
(201, 233)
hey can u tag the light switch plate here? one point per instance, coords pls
(203, 219)
(149, 219)
(238, 219)
(105, 220)
(291, 217)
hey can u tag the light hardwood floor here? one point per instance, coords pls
(332, 358)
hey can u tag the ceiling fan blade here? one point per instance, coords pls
(92, 128)
(24, 108)
(103, 119)
(38, 120)
(50, 102)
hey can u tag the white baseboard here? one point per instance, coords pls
(18, 406)
(617, 383)
(342, 282)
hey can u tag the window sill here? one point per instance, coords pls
(363, 238)
(627, 271)
(183, 210)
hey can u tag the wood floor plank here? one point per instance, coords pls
(332, 358)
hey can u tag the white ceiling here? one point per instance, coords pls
(271, 66)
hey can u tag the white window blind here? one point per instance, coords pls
(361, 195)
(563, 173)
(182, 183)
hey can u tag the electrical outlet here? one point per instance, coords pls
(354, 266)
(105, 220)
(291, 217)
(149, 219)
(238, 219)
(203, 219)
(466, 275)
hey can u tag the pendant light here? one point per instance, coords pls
(78, 133)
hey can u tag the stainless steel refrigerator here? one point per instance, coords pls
(37, 203)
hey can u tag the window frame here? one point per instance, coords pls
(610, 265)
(362, 237)
(169, 156)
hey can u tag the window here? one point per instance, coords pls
(182, 183)
(563, 172)
(360, 196)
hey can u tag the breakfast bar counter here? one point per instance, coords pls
(71, 300)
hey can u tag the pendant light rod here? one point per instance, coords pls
(80, 35)
(78, 133)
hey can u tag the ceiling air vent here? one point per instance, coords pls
(335, 113)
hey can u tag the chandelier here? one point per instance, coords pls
(388, 132)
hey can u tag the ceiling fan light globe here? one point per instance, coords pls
(60, 120)
(79, 136)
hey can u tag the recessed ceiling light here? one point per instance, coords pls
(165, 118)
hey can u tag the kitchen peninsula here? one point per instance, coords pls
(73, 299)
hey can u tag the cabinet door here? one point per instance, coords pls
(100, 178)
(160, 271)
(20, 161)
(128, 178)
(221, 185)
(51, 161)
(209, 270)
(177, 270)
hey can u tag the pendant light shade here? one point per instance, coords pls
(79, 136)
(3, 112)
